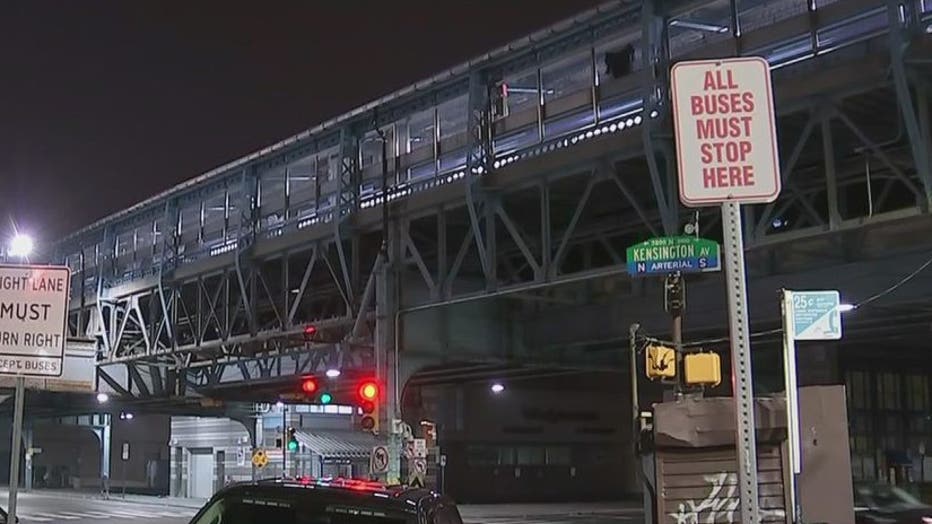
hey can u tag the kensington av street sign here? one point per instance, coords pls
(664, 255)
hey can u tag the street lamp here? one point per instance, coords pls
(102, 398)
(497, 388)
(21, 245)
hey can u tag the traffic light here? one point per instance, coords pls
(325, 398)
(309, 385)
(368, 393)
(292, 440)
(310, 332)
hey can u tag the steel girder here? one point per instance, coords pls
(558, 226)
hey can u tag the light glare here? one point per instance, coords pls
(21, 245)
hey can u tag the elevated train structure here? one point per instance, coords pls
(474, 223)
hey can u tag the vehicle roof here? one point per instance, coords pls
(402, 499)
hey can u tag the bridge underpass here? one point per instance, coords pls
(512, 256)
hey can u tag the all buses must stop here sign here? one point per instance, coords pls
(726, 139)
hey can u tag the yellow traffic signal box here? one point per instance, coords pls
(703, 369)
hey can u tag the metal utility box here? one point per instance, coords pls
(696, 466)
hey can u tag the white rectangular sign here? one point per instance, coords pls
(79, 371)
(420, 448)
(33, 319)
(726, 140)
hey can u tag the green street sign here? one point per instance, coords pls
(659, 256)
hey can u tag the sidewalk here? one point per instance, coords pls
(529, 511)
(116, 497)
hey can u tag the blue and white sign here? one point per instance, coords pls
(816, 315)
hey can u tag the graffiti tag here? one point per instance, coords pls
(721, 501)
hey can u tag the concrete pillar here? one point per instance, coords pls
(27, 443)
(178, 486)
(103, 438)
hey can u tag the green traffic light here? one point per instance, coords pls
(292, 445)
(326, 398)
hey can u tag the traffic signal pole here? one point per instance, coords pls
(284, 442)
(674, 303)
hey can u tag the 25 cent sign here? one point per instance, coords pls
(725, 134)
(33, 316)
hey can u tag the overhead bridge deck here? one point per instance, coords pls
(527, 168)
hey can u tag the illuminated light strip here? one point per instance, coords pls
(613, 127)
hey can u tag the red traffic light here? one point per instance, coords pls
(310, 331)
(309, 385)
(368, 391)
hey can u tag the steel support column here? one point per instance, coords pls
(900, 38)
(655, 55)
(386, 350)
(831, 178)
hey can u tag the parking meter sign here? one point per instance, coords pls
(816, 315)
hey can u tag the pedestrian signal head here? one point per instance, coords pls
(660, 362)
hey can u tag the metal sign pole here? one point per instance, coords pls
(746, 444)
(792, 397)
(284, 442)
(15, 446)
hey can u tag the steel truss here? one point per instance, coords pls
(854, 153)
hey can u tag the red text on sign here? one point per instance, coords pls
(730, 152)
(722, 103)
(724, 126)
(728, 176)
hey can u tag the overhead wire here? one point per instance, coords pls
(903, 281)
(896, 286)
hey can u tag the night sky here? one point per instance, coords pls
(104, 103)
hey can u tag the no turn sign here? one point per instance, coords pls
(379, 460)
(726, 141)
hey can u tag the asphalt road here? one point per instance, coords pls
(45, 507)
(42, 508)
(562, 519)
